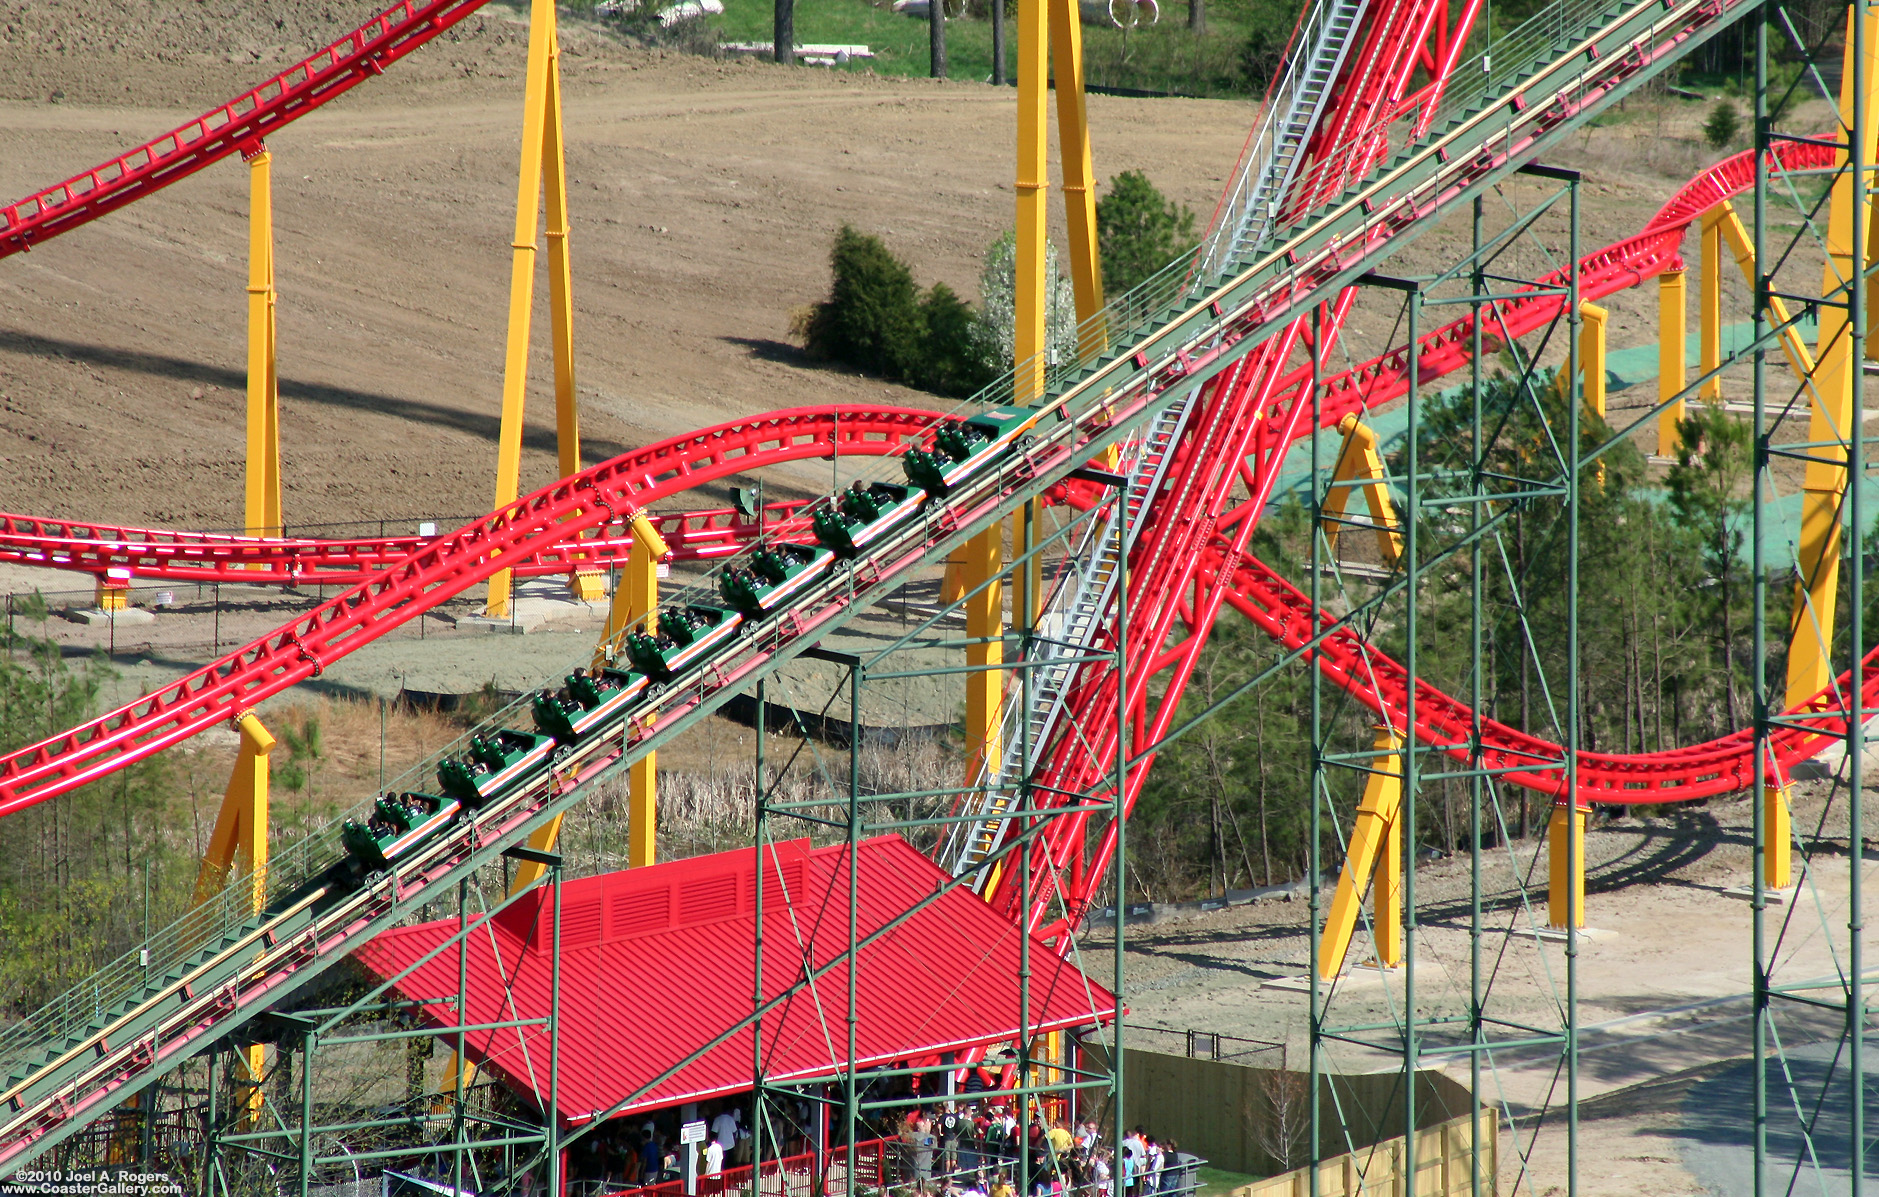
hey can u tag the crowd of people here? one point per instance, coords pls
(964, 1148)
(969, 1150)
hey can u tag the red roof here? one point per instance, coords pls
(659, 960)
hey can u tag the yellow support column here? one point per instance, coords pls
(240, 843)
(985, 630)
(1032, 288)
(542, 159)
(1671, 317)
(1737, 235)
(636, 597)
(1079, 175)
(1376, 850)
(263, 489)
(1709, 305)
(1565, 892)
(1834, 414)
(1359, 458)
(1593, 320)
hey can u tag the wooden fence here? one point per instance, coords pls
(1444, 1155)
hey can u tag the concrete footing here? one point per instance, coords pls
(98, 617)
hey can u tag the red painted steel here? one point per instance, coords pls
(1179, 575)
(604, 495)
(154, 554)
(1176, 592)
(237, 125)
(655, 964)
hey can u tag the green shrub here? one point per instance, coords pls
(951, 363)
(876, 319)
(871, 318)
(1723, 125)
(1138, 231)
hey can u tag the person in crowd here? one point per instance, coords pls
(1061, 1140)
(724, 1129)
(952, 1125)
(714, 1157)
(1181, 1174)
(924, 1148)
(651, 1157)
(1101, 1180)
(1001, 1186)
(1156, 1159)
(1134, 1156)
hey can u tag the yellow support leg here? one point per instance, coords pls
(985, 629)
(1592, 322)
(263, 489)
(240, 843)
(1709, 305)
(636, 597)
(1777, 838)
(1565, 891)
(1671, 316)
(542, 159)
(1833, 419)
(1359, 459)
(1737, 236)
(1032, 185)
(1376, 849)
(953, 582)
(1079, 176)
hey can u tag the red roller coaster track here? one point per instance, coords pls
(1191, 559)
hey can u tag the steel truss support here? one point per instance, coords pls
(1037, 1070)
(297, 1149)
(543, 176)
(1809, 1122)
(1433, 1004)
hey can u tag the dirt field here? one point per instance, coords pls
(1660, 984)
(704, 197)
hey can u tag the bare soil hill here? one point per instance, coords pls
(704, 196)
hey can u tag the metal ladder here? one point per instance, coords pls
(1272, 162)
(1072, 621)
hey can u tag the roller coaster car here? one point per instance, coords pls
(776, 574)
(588, 703)
(492, 765)
(861, 513)
(685, 634)
(961, 447)
(398, 824)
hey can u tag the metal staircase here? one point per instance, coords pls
(1068, 628)
(1272, 160)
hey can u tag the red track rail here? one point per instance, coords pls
(240, 123)
(1180, 583)
(151, 553)
(601, 496)
(206, 557)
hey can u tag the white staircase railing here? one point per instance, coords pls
(1271, 163)
(1067, 628)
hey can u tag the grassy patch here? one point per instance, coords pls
(1164, 57)
(1218, 1182)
